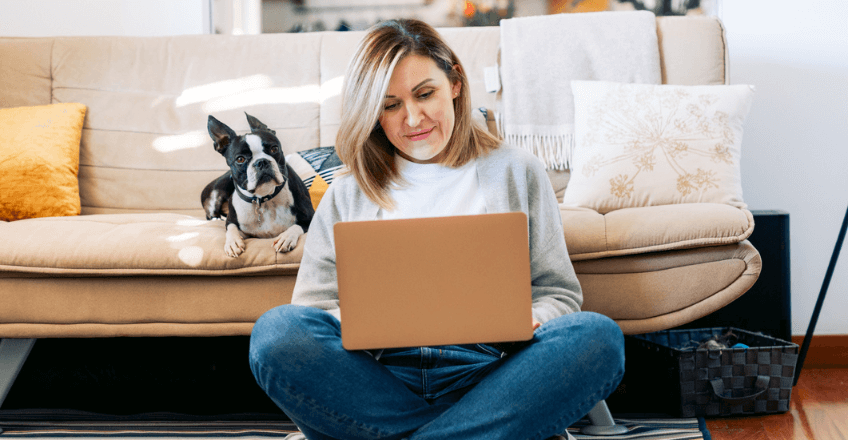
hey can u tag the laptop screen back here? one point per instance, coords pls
(434, 281)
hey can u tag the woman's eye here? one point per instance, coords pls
(390, 107)
(240, 159)
(425, 95)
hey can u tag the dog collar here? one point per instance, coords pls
(260, 200)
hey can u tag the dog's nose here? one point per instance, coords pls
(262, 164)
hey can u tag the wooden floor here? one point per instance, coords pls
(819, 411)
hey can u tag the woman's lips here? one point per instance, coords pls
(420, 136)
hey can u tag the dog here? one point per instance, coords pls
(261, 196)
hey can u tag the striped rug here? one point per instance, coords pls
(652, 429)
(81, 424)
(164, 426)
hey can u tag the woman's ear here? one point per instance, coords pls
(456, 88)
(457, 85)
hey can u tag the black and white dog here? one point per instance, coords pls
(264, 196)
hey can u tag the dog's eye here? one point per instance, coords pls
(274, 150)
(240, 159)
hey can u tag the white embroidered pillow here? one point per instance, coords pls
(647, 145)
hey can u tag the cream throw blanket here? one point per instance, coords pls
(541, 55)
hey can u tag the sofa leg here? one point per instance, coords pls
(602, 422)
(13, 354)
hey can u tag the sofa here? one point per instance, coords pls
(141, 260)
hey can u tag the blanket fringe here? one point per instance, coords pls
(554, 150)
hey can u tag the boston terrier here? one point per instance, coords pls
(263, 195)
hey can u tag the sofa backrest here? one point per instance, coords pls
(145, 147)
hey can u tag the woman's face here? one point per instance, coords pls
(418, 114)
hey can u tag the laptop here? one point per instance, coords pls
(434, 281)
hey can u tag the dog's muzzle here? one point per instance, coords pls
(264, 172)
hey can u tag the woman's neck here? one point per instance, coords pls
(435, 159)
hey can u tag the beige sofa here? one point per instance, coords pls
(141, 260)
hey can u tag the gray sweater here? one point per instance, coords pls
(511, 179)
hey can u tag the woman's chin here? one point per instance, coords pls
(422, 155)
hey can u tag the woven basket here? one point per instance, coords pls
(718, 382)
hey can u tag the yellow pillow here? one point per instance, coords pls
(317, 190)
(39, 161)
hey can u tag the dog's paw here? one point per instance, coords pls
(286, 241)
(234, 245)
(234, 248)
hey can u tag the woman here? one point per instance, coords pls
(413, 151)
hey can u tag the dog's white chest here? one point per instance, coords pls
(267, 220)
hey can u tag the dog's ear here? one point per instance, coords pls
(256, 124)
(220, 134)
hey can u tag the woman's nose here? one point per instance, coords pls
(413, 115)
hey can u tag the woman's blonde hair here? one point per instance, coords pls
(360, 143)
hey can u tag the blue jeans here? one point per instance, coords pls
(450, 392)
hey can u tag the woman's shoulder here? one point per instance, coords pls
(347, 198)
(507, 156)
(345, 180)
(342, 188)
(344, 185)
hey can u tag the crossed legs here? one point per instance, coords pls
(296, 355)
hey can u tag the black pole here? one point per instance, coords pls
(812, 327)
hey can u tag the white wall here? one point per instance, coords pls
(795, 146)
(45, 18)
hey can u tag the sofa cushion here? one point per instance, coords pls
(178, 244)
(25, 71)
(145, 145)
(693, 50)
(590, 235)
(39, 160)
(643, 145)
(135, 244)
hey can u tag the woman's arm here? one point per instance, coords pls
(556, 290)
(317, 285)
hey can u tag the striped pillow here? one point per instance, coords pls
(317, 168)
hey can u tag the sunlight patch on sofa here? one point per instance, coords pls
(220, 89)
(182, 237)
(274, 95)
(191, 255)
(331, 88)
(191, 222)
(185, 141)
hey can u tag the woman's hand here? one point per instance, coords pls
(512, 347)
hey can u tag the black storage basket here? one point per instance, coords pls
(714, 382)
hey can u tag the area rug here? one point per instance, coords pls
(80, 425)
(651, 429)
